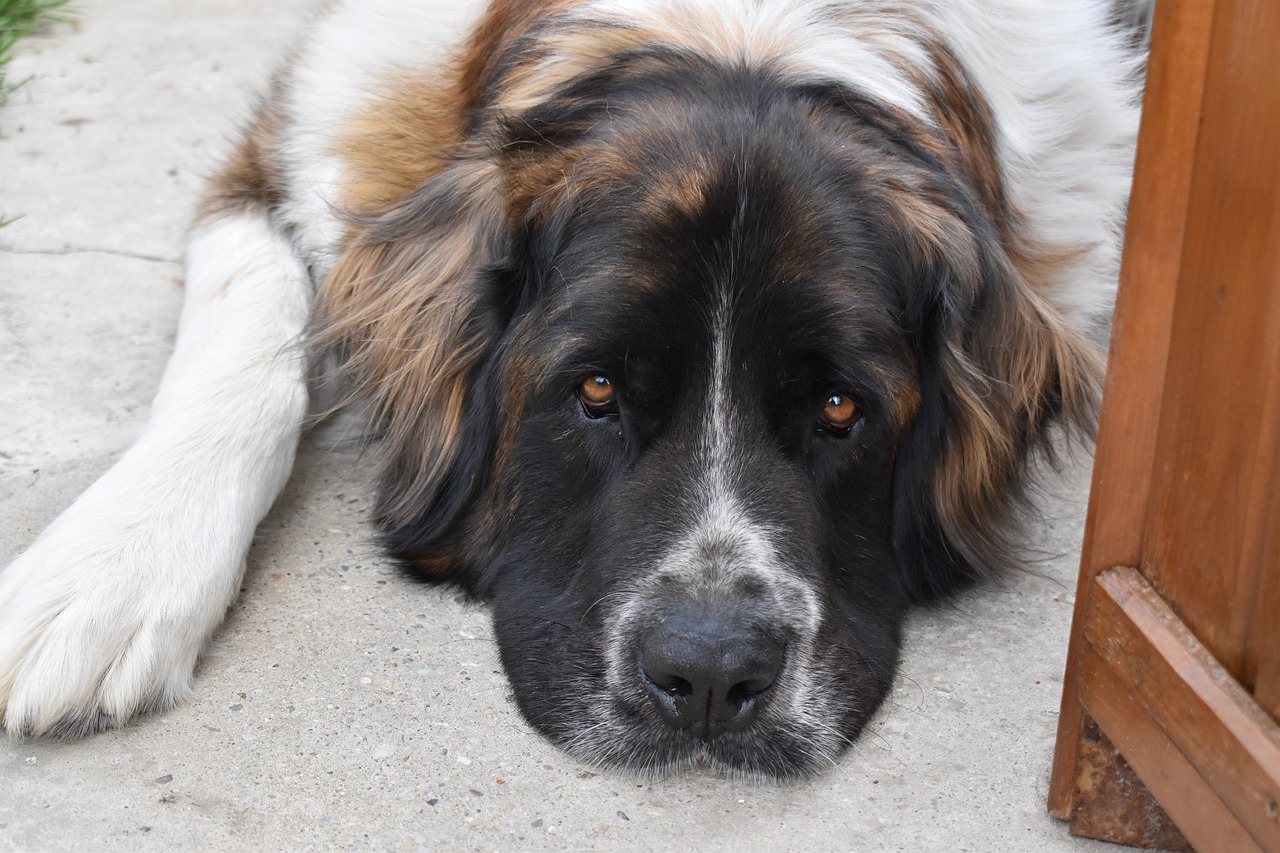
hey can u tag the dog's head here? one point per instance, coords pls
(702, 375)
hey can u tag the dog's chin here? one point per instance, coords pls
(625, 742)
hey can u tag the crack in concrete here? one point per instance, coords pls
(137, 256)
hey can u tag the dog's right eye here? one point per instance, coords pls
(839, 414)
(598, 396)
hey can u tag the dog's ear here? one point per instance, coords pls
(417, 305)
(999, 368)
(414, 306)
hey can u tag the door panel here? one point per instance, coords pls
(1175, 656)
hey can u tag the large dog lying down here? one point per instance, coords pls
(700, 338)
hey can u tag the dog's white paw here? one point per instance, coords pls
(87, 640)
(105, 615)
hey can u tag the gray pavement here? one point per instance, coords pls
(341, 705)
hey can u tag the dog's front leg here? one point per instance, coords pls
(105, 614)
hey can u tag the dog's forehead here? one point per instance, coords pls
(749, 238)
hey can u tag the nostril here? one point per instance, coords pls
(744, 691)
(672, 685)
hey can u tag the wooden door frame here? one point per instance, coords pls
(1175, 647)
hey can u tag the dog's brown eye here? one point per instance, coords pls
(839, 414)
(598, 396)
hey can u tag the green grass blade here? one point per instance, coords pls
(20, 18)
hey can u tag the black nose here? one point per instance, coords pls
(708, 672)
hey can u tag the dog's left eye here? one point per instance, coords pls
(598, 396)
(839, 414)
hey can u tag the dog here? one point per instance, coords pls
(700, 338)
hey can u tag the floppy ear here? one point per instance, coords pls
(999, 367)
(412, 306)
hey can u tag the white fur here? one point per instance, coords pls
(105, 614)
(1065, 93)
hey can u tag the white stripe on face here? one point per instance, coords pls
(722, 556)
(723, 548)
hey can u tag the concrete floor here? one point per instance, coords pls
(342, 706)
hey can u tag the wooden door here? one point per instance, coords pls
(1174, 668)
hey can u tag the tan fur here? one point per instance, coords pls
(553, 176)
(401, 311)
(401, 307)
(418, 120)
(1001, 387)
(404, 138)
(563, 55)
(250, 178)
(1005, 365)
